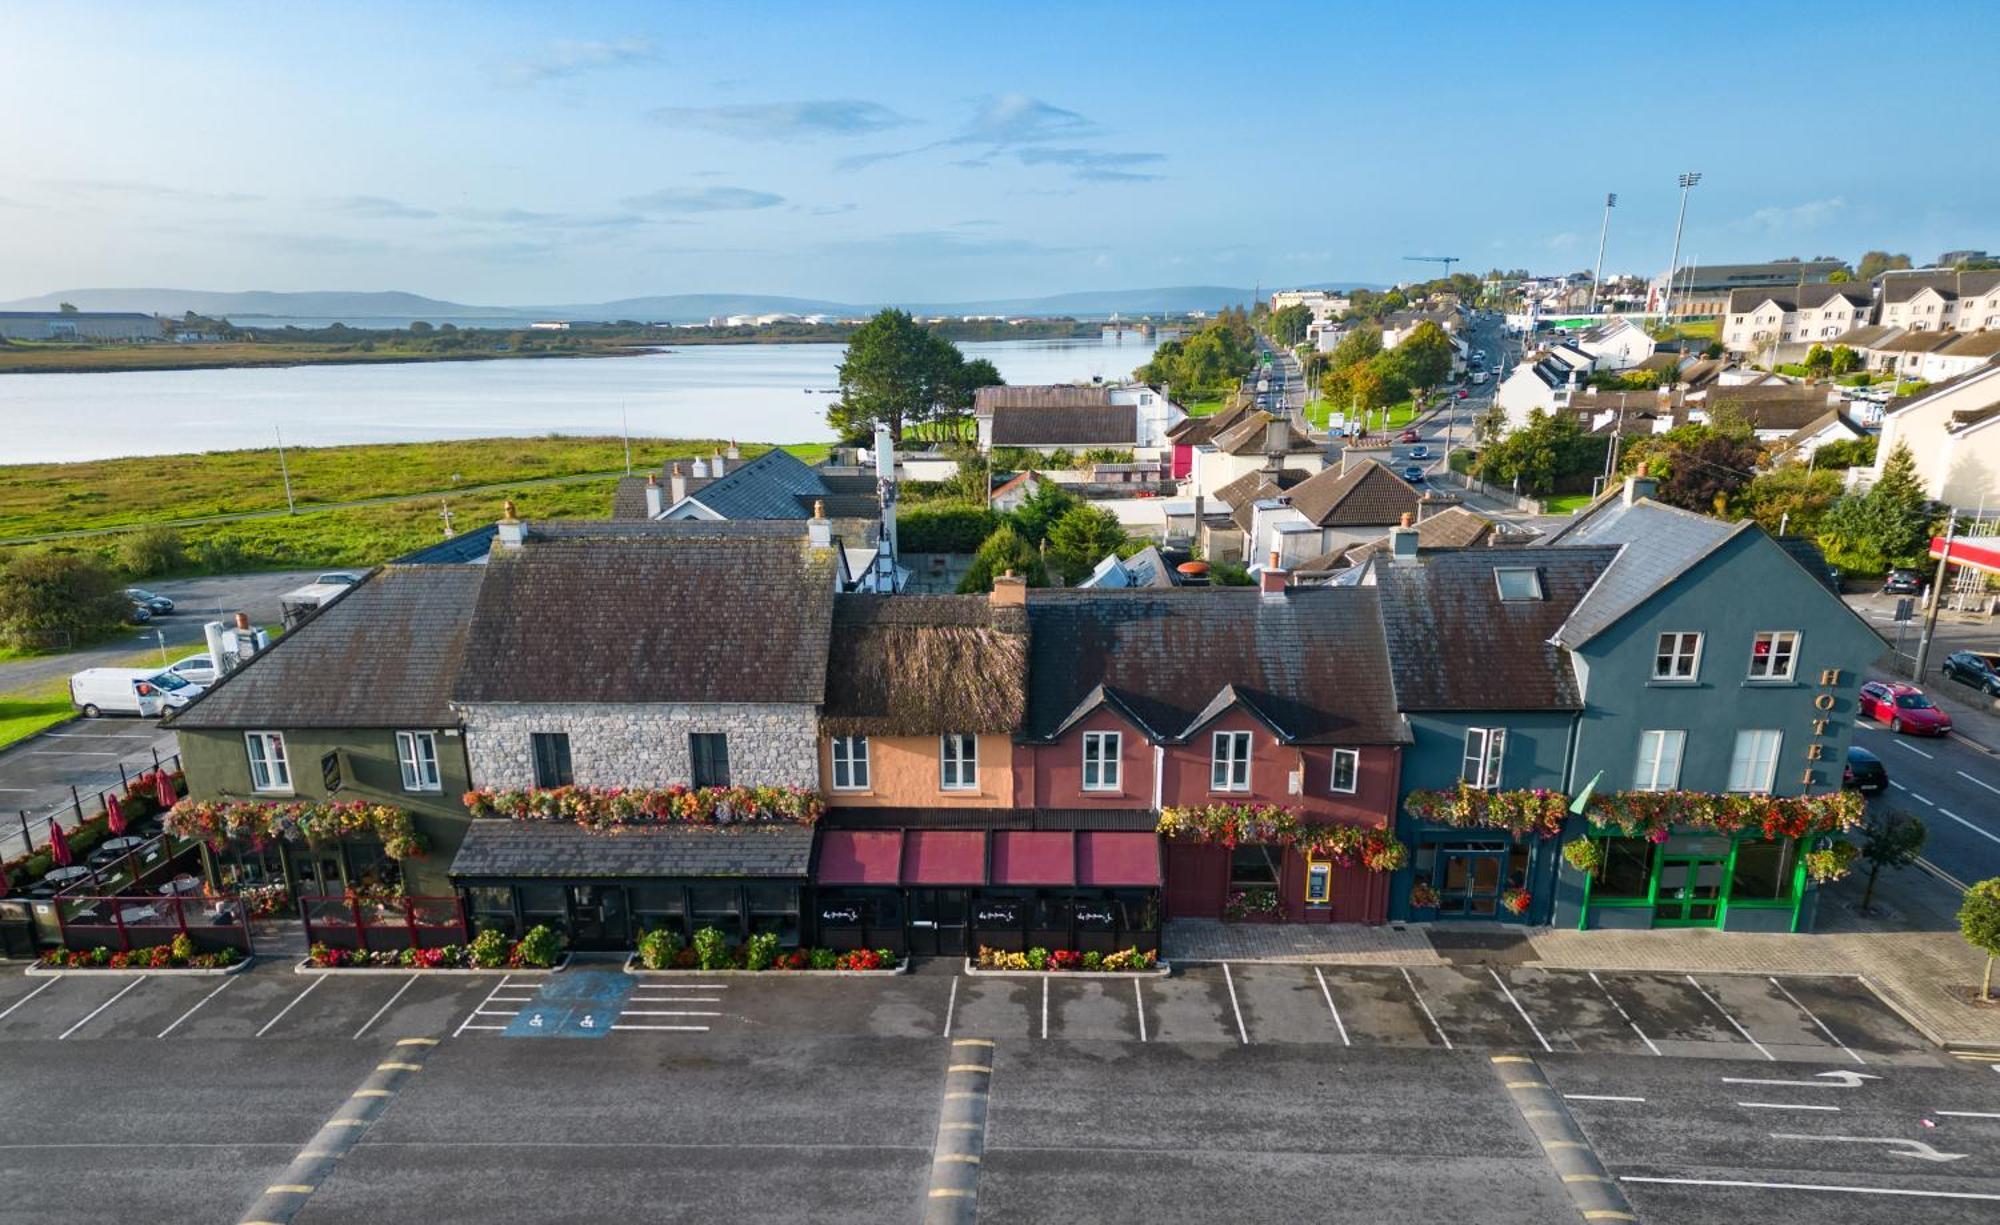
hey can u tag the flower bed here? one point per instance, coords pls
(1067, 961)
(710, 952)
(609, 807)
(216, 822)
(1252, 904)
(1270, 824)
(1536, 811)
(179, 955)
(539, 949)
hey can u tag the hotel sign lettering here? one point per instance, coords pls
(1824, 703)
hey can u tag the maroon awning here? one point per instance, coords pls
(859, 856)
(944, 857)
(1110, 860)
(1021, 857)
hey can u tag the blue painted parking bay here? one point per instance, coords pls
(574, 1004)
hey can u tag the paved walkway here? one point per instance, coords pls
(1186, 941)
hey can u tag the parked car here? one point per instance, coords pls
(1463, 393)
(155, 603)
(1413, 474)
(1903, 582)
(138, 614)
(1904, 708)
(1408, 436)
(199, 669)
(128, 691)
(338, 578)
(1865, 771)
(1480, 376)
(1979, 669)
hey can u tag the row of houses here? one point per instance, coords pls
(1791, 318)
(1065, 768)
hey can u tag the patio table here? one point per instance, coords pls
(66, 876)
(181, 884)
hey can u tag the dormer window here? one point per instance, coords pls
(1518, 582)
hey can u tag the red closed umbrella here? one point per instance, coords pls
(114, 816)
(166, 792)
(59, 846)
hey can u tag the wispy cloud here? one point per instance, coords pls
(376, 208)
(570, 58)
(788, 121)
(706, 200)
(1777, 218)
(1026, 127)
(832, 210)
(159, 191)
(1016, 119)
(1094, 165)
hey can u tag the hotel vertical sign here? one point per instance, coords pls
(1824, 703)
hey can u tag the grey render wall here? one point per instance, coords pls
(644, 745)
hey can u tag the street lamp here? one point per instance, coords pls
(1610, 202)
(1688, 181)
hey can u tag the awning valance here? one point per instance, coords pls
(1109, 860)
(860, 857)
(1022, 857)
(944, 857)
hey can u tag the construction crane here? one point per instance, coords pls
(1446, 260)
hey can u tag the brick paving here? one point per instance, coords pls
(1354, 944)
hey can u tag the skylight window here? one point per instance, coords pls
(1519, 583)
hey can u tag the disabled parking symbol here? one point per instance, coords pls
(581, 1004)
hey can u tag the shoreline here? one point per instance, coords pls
(295, 360)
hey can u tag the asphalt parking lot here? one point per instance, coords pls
(36, 775)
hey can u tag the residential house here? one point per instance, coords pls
(1223, 532)
(1756, 319)
(1773, 412)
(1323, 303)
(1191, 432)
(1452, 527)
(1950, 432)
(1257, 439)
(1905, 352)
(1009, 496)
(1688, 687)
(1699, 292)
(1933, 299)
(1330, 510)
(1864, 340)
(1146, 568)
(1545, 382)
(1121, 417)
(1833, 425)
(1967, 352)
(1399, 326)
(1616, 344)
(775, 485)
(1150, 701)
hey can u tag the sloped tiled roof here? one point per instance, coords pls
(1867, 336)
(1776, 407)
(1973, 344)
(1255, 485)
(652, 616)
(1659, 543)
(1455, 527)
(1246, 437)
(1065, 425)
(1311, 662)
(1366, 495)
(559, 850)
(383, 655)
(1455, 644)
(1046, 395)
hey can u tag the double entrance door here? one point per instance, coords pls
(1471, 878)
(937, 922)
(1690, 890)
(598, 918)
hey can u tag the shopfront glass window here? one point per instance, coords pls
(1627, 874)
(1253, 867)
(1053, 913)
(1764, 870)
(716, 906)
(659, 906)
(775, 908)
(544, 904)
(492, 909)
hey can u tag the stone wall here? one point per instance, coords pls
(643, 744)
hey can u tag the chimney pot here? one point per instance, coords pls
(507, 514)
(1009, 591)
(242, 621)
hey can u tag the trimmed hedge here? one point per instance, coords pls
(944, 529)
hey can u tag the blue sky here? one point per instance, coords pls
(551, 154)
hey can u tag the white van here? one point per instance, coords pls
(129, 691)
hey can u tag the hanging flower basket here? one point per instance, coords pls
(1423, 896)
(1270, 825)
(1651, 814)
(218, 822)
(1583, 854)
(1831, 863)
(1517, 901)
(1535, 811)
(603, 808)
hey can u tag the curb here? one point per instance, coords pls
(632, 968)
(1161, 969)
(306, 967)
(1584, 1178)
(38, 970)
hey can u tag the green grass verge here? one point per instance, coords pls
(1206, 406)
(1567, 503)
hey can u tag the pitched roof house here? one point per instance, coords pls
(1126, 417)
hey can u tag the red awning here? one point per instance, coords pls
(1109, 860)
(944, 857)
(859, 856)
(1978, 553)
(1040, 858)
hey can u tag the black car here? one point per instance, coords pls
(1864, 771)
(1903, 582)
(1979, 669)
(150, 601)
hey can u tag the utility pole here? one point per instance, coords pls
(284, 471)
(625, 428)
(1610, 202)
(1937, 597)
(1688, 181)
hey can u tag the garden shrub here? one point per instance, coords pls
(488, 949)
(658, 948)
(711, 949)
(824, 959)
(944, 529)
(540, 947)
(760, 951)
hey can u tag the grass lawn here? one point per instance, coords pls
(1207, 406)
(1566, 503)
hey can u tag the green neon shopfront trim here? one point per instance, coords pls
(1725, 900)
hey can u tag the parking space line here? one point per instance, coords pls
(1328, 993)
(190, 1012)
(679, 1029)
(1504, 990)
(951, 1005)
(1650, 1045)
(1989, 786)
(1811, 1186)
(101, 1007)
(1442, 1036)
(1732, 1020)
(1966, 1114)
(407, 984)
(1045, 1005)
(1139, 1001)
(664, 1012)
(481, 1009)
(1787, 1106)
(1229, 978)
(1816, 1021)
(1600, 1097)
(31, 995)
(295, 1001)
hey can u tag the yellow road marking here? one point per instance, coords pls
(1606, 1214)
(972, 1042)
(960, 1097)
(372, 1093)
(399, 1067)
(288, 1188)
(970, 1067)
(416, 1042)
(1512, 1059)
(1585, 1178)
(949, 1193)
(1564, 1144)
(962, 1158)
(1526, 1084)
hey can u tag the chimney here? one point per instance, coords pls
(716, 465)
(243, 623)
(1277, 440)
(1403, 543)
(512, 530)
(1010, 590)
(1273, 579)
(733, 452)
(1639, 485)
(700, 469)
(677, 485)
(653, 507)
(819, 532)
(219, 657)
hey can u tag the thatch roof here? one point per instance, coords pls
(915, 665)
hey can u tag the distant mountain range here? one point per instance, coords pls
(674, 308)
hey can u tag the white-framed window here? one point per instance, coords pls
(850, 763)
(1346, 771)
(958, 762)
(1678, 656)
(270, 769)
(1518, 582)
(1659, 761)
(1229, 764)
(1774, 655)
(1100, 760)
(1484, 749)
(418, 753)
(1753, 767)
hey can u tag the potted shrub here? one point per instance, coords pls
(1423, 896)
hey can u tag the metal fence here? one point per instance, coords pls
(123, 922)
(25, 839)
(347, 921)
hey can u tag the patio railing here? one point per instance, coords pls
(346, 921)
(125, 922)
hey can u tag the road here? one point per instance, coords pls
(1239, 1092)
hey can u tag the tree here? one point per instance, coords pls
(419, 328)
(1793, 498)
(1002, 552)
(1288, 326)
(1425, 356)
(1359, 345)
(1979, 923)
(1875, 263)
(1818, 361)
(1839, 276)
(1543, 452)
(1843, 360)
(67, 308)
(1890, 525)
(1081, 538)
(895, 373)
(1845, 453)
(59, 597)
(1035, 516)
(1699, 467)
(152, 550)
(1892, 840)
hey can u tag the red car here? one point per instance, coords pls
(1904, 708)
(1463, 393)
(1407, 436)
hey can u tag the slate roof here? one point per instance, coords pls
(1777, 407)
(1810, 559)
(1454, 644)
(558, 850)
(1367, 494)
(1193, 431)
(1246, 436)
(908, 665)
(1973, 344)
(651, 616)
(1798, 297)
(1832, 416)
(775, 485)
(628, 498)
(465, 547)
(1866, 336)
(1921, 341)
(1311, 663)
(1065, 425)
(1452, 528)
(1660, 543)
(1256, 485)
(1044, 395)
(1952, 284)
(383, 655)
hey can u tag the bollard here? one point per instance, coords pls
(124, 783)
(27, 839)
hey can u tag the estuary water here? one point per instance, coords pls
(753, 393)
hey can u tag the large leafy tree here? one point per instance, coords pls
(1979, 923)
(1214, 359)
(1035, 516)
(1288, 325)
(899, 373)
(1425, 355)
(1081, 538)
(1542, 453)
(1875, 263)
(1890, 525)
(1793, 497)
(59, 599)
(1001, 552)
(1700, 467)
